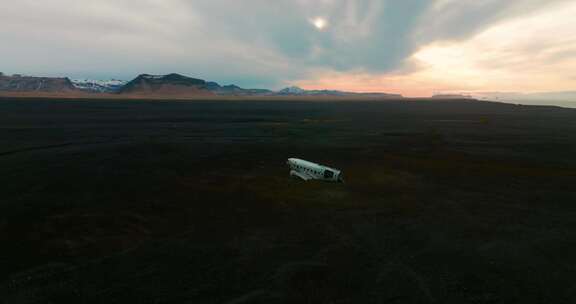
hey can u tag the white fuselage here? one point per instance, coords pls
(308, 170)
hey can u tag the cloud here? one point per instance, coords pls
(529, 54)
(533, 53)
(123, 38)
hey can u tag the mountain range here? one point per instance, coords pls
(151, 86)
(19, 83)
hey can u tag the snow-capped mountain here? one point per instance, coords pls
(98, 86)
(293, 90)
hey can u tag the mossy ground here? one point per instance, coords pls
(106, 202)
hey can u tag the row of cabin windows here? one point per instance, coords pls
(306, 169)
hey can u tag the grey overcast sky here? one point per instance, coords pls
(413, 47)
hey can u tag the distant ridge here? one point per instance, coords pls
(296, 91)
(168, 85)
(179, 85)
(19, 83)
(452, 96)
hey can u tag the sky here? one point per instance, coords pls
(410, 47)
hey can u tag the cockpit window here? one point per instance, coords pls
(328, 174)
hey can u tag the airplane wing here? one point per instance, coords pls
(300, 175)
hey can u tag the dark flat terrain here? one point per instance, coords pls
(190, 202)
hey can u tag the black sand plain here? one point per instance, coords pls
(190, 202)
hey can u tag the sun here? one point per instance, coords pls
(319, 23)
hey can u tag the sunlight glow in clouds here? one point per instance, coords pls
(530, 54)
(320, 23)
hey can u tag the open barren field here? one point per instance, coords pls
(105, 201)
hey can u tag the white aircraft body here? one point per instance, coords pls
(306, 170)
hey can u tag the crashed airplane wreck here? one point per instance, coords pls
(306, 171)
